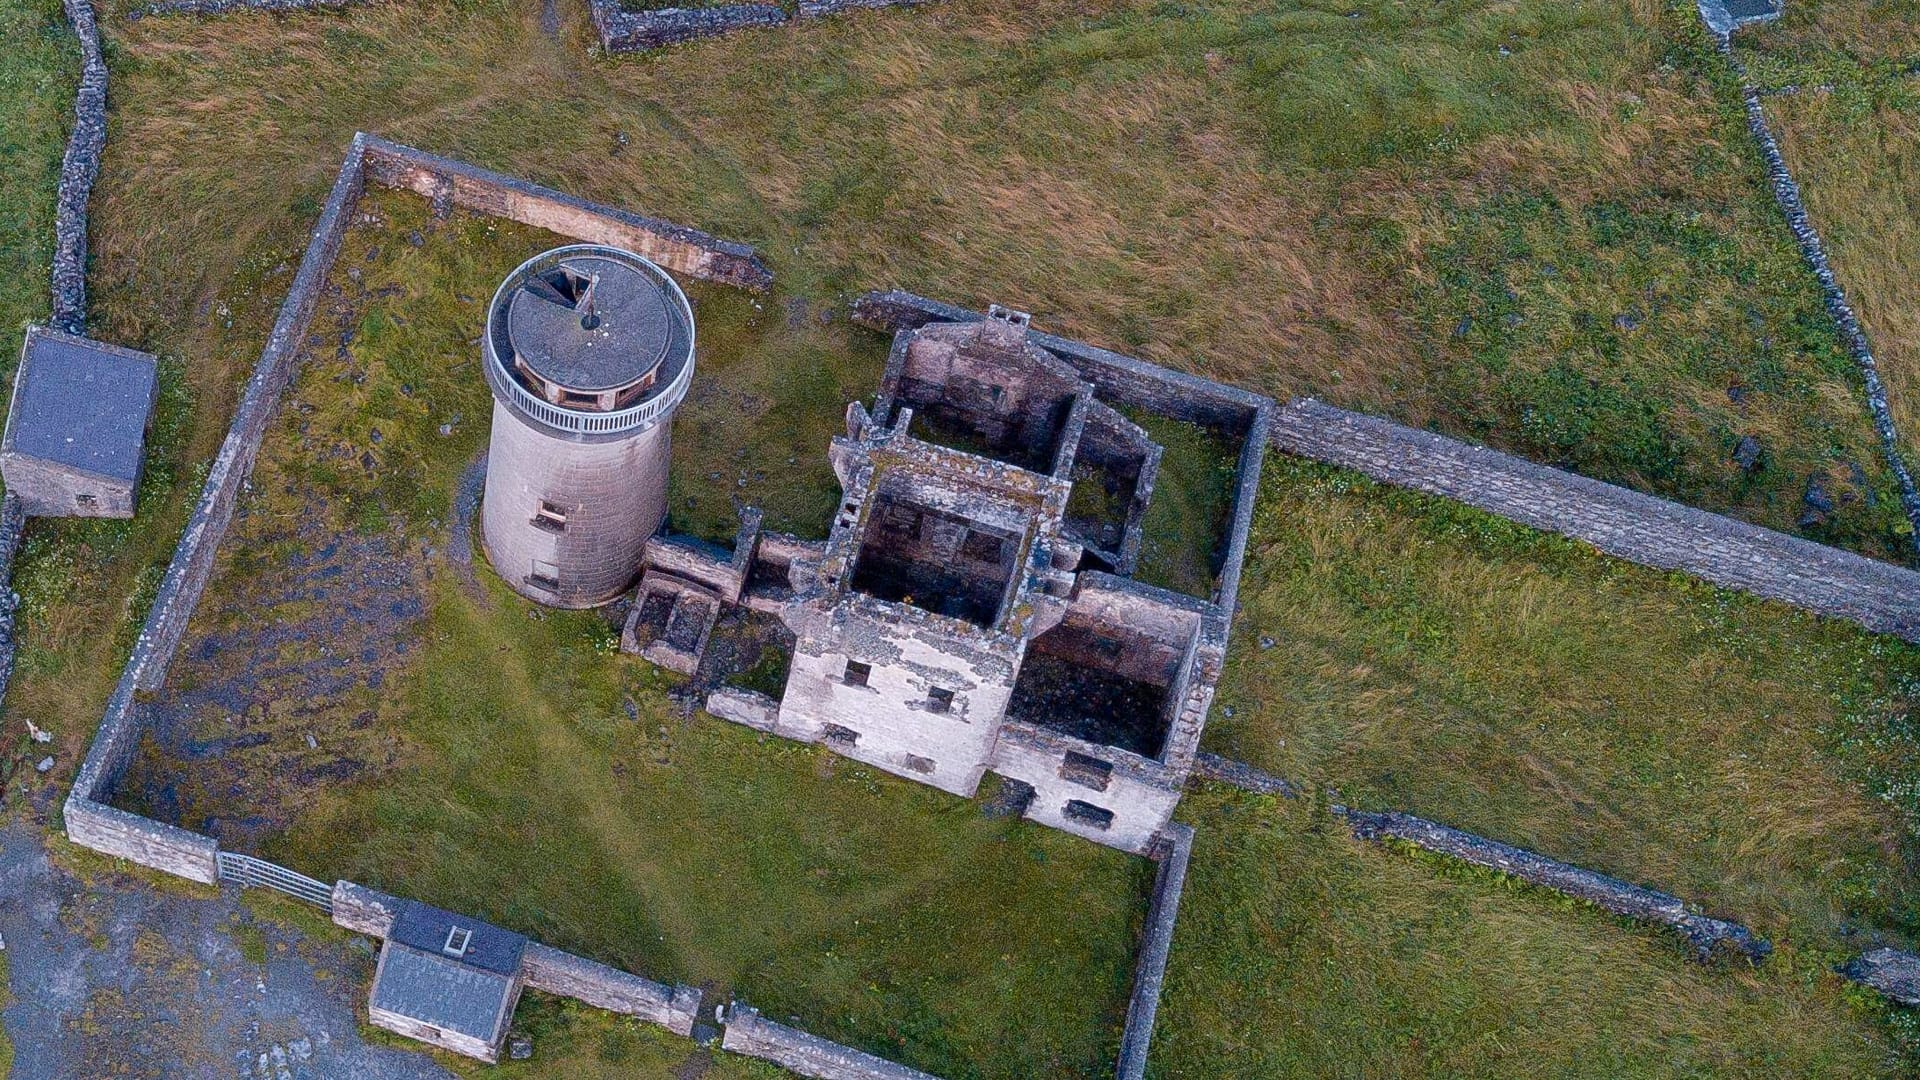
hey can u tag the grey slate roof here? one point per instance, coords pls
(435, 989)
(424, 927)
(81, 403)
(468, 994)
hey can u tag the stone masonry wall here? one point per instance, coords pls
(113, 831)
(1614, 895)
(676, 247)
(603, 987)
(623, 31)
(1627, 524)
(13, 525)
(78, 168)
(1786, 192)
(808, 1055)
(1150, 970)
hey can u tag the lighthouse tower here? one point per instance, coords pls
(589, 351)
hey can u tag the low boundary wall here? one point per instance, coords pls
(79, 166)
(13, 527)
(1619, 897)
(1173, 852)
(1786, 192)
(1610, 893)
(748, 1033)
(1627, 524)
(447, 182)
(603, 987)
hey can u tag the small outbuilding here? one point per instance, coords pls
(448, 980)
(77, 429)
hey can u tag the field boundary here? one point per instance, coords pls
(90, 821)
(79, 167)
(1621, 522)
(1786, 192)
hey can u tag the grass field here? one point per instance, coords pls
(1847, 129)
(1431, 658)
(38, 69)
(1537, 225)
(1302, 952)
(493, 757)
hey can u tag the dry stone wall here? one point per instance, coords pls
(623, 31)
(1786, 192)
(1706, 934)
(13, 525)
(78, 169)
(1627, 524)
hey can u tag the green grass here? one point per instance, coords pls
(511, 764)
(1297, 196)
(6, 1044)
(38, 71)
(1303, 952)
(1431, 658)
(1847, 133)
(574, 1042)
(1184, 531)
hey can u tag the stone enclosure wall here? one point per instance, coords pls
(1627, 524)
(1786, 192)
(623, 31)
(1706, 934)
(748, 1033)
(1174, 851)
(78, 169)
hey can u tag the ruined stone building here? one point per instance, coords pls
(970, 614)
(970, 611)
(972, 608)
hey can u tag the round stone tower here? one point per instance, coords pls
(589, 350)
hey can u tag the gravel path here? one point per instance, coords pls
(116, 977)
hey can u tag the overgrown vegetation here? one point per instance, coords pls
(1842, 101)
(1303, 952)
(1540, 225)
(1289, 195)
(493, 757)
(38, 70)
(574, 1042)
(1422, 656)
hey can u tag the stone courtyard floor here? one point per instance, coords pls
(114, 977)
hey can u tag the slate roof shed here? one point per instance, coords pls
(448, 980)
(77, 425)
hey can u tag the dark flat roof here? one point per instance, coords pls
(81, 403)
(639, 324)
(425, 927)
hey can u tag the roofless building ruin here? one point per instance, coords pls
(589, 350)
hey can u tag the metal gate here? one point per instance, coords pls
(249, 872)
